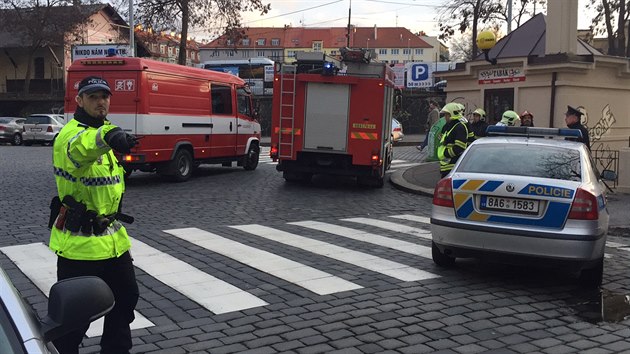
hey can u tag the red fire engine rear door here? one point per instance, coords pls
(326, 117)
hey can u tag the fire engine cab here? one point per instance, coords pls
(183, 116)
(333, 117)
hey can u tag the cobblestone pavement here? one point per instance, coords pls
(248, 263)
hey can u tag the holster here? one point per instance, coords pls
(55, 207)
(75, 215)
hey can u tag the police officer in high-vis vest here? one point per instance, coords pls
(454, 138)
(86, 233)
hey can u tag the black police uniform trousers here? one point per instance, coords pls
(119, 274)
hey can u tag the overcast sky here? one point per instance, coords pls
(416, 15)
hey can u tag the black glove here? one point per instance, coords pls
(120, 141)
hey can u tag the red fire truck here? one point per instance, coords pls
(333, 117)
(184, 116)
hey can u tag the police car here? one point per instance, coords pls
(521, 197)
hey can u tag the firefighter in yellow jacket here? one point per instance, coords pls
(454, 138)
(86, 233)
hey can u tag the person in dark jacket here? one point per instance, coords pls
(478, 124)
(454, 138)
(572, 117)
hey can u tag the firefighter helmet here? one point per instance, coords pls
(481, 113)
(453, 109)
(510, 118)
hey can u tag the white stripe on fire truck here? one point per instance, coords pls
(39, 264)
(212, 293)
(364, 260)
(317, 281)
(399, 245)
(392, 226)
(416, 218)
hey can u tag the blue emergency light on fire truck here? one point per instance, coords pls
(333, 116)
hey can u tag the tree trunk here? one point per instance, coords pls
(475, 49)
(183, 42)
(621, 31)
(612, 49)
(29, 68)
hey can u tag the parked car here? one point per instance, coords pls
(41, 128)
(397, 131)
(73, 304)
(524, 199)
(11, 130)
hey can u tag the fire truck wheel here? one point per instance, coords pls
(250, 161)
(370, 181)
(182, 166)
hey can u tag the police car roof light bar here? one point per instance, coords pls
(534, 132)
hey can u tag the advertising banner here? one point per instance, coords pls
(84, 51)
(399, 71)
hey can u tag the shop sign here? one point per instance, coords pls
(501, 75)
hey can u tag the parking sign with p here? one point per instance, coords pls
(419, 75)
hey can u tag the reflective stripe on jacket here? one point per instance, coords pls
(454, 142)
(85, 168)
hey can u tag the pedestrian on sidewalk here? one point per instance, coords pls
(432, 117)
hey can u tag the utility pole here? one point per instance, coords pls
(348, 35)
(132, 45)
(509, 8)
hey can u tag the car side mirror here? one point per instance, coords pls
(608, 175)
(74, 303)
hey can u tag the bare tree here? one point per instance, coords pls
(461, 47)
(35, 24)
(216, 16)
(611, 18)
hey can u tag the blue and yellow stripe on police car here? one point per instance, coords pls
(554, 216)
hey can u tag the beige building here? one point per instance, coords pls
(542, 67)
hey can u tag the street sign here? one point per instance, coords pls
(84, 51)
(419, 75)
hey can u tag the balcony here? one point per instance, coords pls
(39, 89)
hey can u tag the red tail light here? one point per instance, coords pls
(584, 206)
(376, 159)
(443, 193)
(49, 129)
(397, 129)
(2, 127)
(273, 152)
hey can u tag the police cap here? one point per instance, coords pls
(92, 84)
(573, 111)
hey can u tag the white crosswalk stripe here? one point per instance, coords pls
(399, 245)
(360, 259)
(416, 218)
(319, 282)
(392, 226)
(212, 293)
(39, 264)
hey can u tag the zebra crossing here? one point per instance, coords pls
(396, 164)
(220, 296)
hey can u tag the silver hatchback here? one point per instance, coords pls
(11, 130)
(42, 128)
(520, 199)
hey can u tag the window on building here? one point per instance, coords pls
(276, 55)
(394, 61)
(221, 97)
(261, 53)
(229, 53)
(406, 51)
(275, 42)
(246, 41)
(291, 53)
(382, 51)
(229, 42)
(395, 51)
(260, 41)
(317, 46)
(245, 53)
(39, 67)
(162, 49)
(333, 52)
(419, 51)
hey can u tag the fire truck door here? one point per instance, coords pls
(326, 116)
(124, 102)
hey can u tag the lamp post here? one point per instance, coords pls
(408, 49)
(132, 45)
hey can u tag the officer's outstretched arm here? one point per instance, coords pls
(88, 145)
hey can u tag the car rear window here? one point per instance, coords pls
(523, 160)
(37, 120)
(4, 120)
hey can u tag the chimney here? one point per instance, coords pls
(375, 33)
(561, 32)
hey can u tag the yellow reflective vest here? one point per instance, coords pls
(453, 143)
(85, 168)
